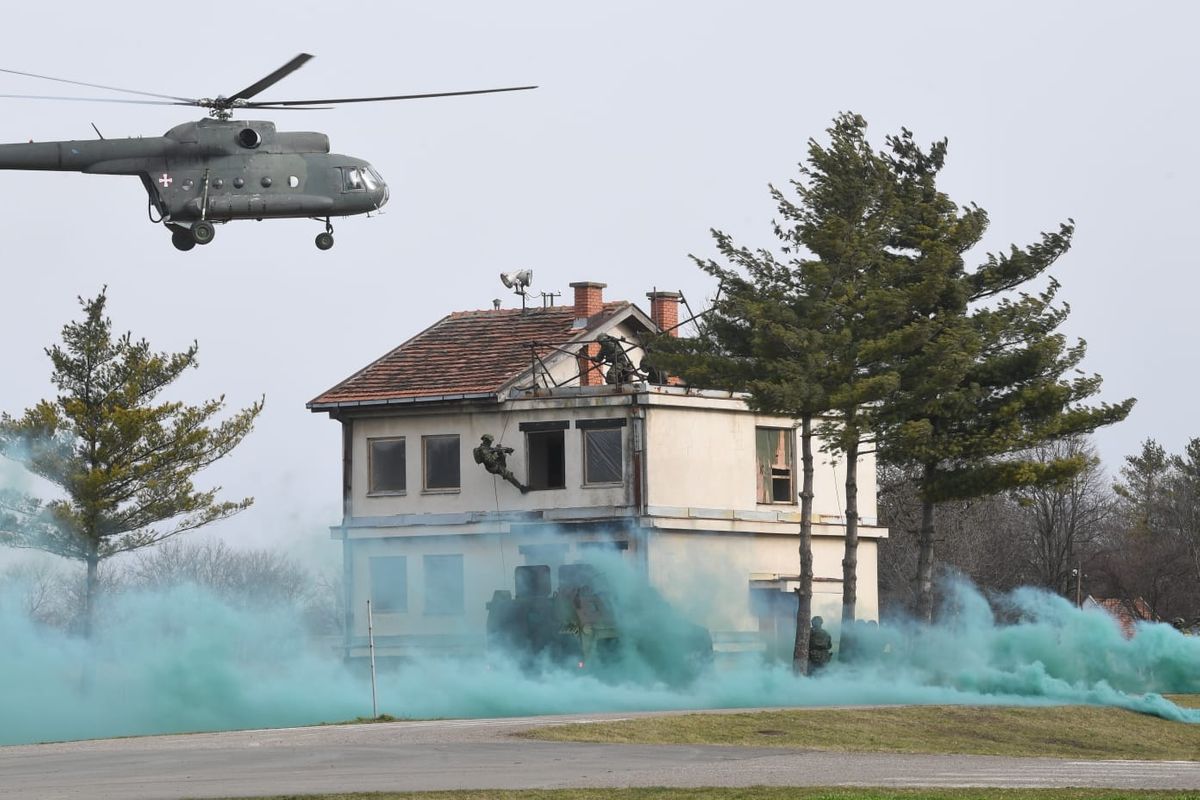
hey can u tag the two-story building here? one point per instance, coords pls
(693, 488)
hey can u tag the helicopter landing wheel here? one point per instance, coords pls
(324, 241)
(203, 232)
(183, 240)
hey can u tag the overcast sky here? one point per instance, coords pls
(654, 122)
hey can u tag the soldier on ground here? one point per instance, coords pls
(820, 646)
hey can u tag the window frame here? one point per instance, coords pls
(425, 487)
(793, 498)
(461, 609)
(375, 606)
(542, 428)
(585, 434)
(373, 492)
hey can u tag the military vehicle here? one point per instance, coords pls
(212, 171)
(615, 629)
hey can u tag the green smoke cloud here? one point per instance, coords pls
(184, 660)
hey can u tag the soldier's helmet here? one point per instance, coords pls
(1179, 622)
(486, 438)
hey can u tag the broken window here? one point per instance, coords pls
(773, 456)
(444, 584)
(547, 459)
(386, 466)
(389, 583)
(602, 456)
(441, 456)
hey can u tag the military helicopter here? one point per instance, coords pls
(200, 174)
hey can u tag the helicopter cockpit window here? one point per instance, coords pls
(353, 179)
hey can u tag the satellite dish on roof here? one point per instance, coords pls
(517, 281)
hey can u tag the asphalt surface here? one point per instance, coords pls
(484, 754)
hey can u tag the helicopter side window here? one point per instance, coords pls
(353, 179)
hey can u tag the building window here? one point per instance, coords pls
(441, 458)
(389, 583)
(547, 459)
(444, 585)
(602, 461)
(385, 465)
(773, 452)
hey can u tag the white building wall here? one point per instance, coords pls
(481, 491)
(705, 458)
(487, 565)
(709, 574)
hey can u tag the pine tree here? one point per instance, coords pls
(805, 332)
(123, 460)
(987, 384)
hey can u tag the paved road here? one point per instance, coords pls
(482, 754)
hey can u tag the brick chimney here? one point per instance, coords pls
(589, 301)
(664, 310)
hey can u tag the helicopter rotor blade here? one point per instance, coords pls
(339, 100)
(276, 76)
(270, 107)
(183, 100)
(97, 100)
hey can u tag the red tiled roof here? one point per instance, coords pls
(464, 353)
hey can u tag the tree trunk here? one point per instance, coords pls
(804, 593)
(89, 589)
(925, 557)
(850, 560)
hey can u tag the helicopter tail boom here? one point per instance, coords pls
(77, 156)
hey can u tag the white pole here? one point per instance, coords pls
(371, 647)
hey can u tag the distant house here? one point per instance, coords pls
(1127, 614)
(690, 486)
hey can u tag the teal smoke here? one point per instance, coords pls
(184, 660)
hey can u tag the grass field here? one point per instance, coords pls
(764, 793)
(1064, 732)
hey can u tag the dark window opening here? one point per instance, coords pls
(389, 583)
(773, 454)
(444, 586)
(547, 460)
(602, 456)
(387, 466)
(441, 462)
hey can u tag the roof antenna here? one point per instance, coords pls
(518, 281)
(97, 130)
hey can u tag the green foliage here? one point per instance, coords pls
(987, 384)
(123, 459)
(871, 318)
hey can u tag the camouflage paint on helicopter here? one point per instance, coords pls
(217, 170)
